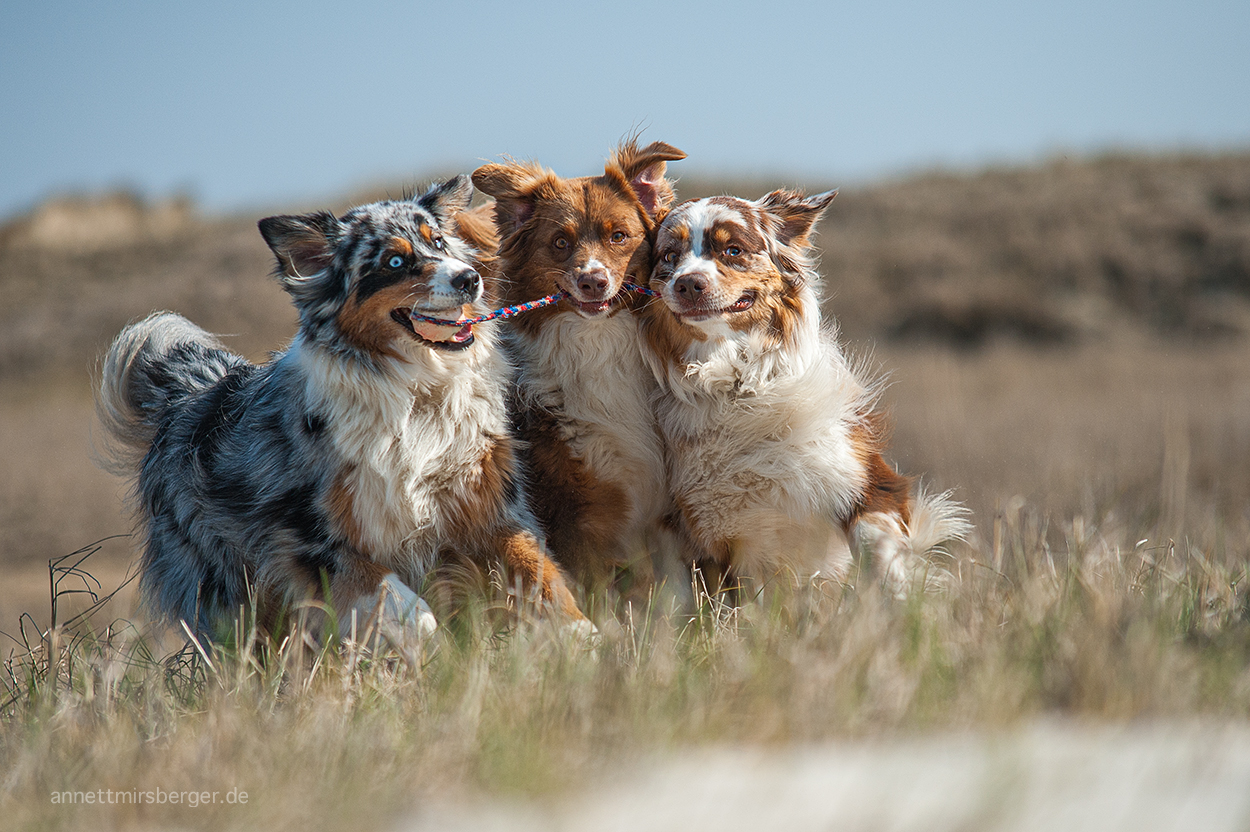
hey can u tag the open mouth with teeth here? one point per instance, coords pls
(742, 304)
(594, 307)
(455, 337)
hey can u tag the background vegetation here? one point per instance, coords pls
(1069, 349)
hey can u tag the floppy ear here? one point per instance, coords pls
(514, 186)
(447, 199)
(643, 169)
(304, 245)
(795, 213)
(477, 227)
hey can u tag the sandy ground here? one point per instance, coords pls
(1046, 776)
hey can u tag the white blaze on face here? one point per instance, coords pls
(701, 217)
(698, 258)
(690, 259)
(440, 283)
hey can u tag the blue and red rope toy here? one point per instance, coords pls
(510, 311)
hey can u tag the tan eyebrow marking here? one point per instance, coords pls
(401, 246)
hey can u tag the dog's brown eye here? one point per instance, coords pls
(560, 243)
(619, 237)
(670, 257)
(733, 251)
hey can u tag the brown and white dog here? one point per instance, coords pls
(584, 400)
(775, 449)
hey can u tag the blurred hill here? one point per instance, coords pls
(1070, 250)
(1063, 252)
(1085, 261)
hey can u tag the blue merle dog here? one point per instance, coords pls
(356, 461)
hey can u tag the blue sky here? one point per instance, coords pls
(252, 105)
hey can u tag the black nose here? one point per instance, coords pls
(690, 286)
(465, 281)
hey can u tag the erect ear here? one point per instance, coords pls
(795, 213)
(514, 185)
(304, 245)
(447, 199)
(643, 168)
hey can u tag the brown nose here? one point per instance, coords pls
(690, 287)
(593, 284)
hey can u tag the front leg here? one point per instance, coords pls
(379, 599)
(524, 562)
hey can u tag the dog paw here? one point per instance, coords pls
(400, 615)
(416, 621)
(581, 631)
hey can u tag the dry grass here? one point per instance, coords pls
(1101, 628)
(1105, 464)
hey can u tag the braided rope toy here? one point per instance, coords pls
(510, 311)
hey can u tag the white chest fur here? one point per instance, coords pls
(761, 448)
(591, 373)
(409, 442)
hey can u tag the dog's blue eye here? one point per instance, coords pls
(733, 251)
(395, 262)
(438, 243)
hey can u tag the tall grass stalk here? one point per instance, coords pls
(1081, 621)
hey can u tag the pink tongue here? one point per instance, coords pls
(436, 332)
(456, 332)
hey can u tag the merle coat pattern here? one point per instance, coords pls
(358, 460)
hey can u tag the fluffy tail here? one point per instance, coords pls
(936, 520)
(909, 555)
(151, 365)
